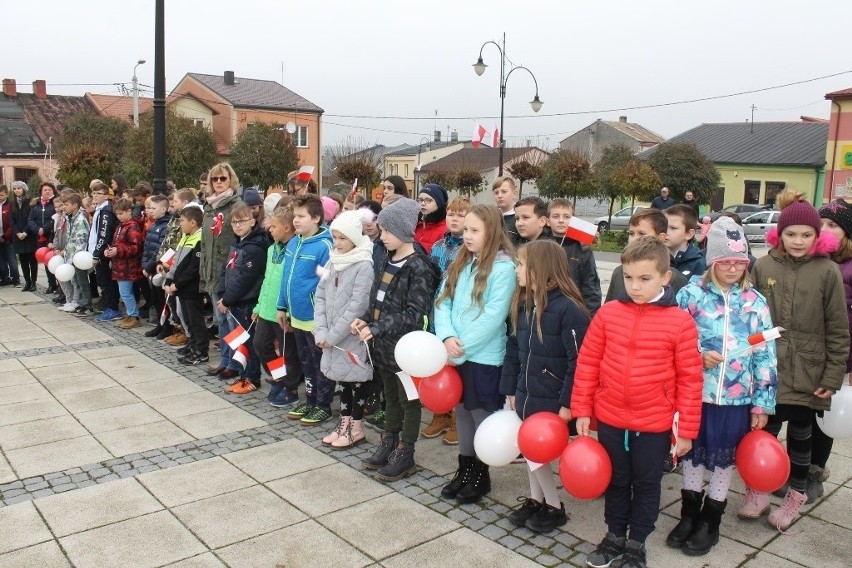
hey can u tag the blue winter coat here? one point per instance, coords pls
(690, 262)
(301, 259)
(539, 373)
(243, 269)
(481, 329)
(153, 239)
(41, 217)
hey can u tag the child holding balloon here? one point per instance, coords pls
(470, 318)
(804, 290)
(739, 384)
(549, 321)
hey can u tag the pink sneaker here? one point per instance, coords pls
(755, 505)
(783, 516)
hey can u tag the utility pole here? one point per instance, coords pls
(159, 180)
(136, 95)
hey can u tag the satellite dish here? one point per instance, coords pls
(291, 127)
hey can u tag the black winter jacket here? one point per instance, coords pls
(153, 239)
(41, 217)
(243, 270)
(583, 270)
(539, 373)
(406, 307)
(19, 215)
(187, 277)
(104, 222)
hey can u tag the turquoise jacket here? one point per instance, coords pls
(299, 283)
(725, 321)
(481, 331)
(267, 302)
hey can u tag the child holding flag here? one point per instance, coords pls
(575, 235)
(739, 380)
(342, 296)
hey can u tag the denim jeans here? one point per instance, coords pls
(8, 264)
(318, 389)
(125, 288)
(80, 283)
(242, 315)
(225, 327)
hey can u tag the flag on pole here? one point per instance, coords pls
(237, 337)
(166, 313)
(479, 134)
(495, 138)
(354, 189)
(241, 355)
(278, 368)
(168, 258)
(305, 173)
(764, 336)
(581, 230)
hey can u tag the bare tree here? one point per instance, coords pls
(353, 159)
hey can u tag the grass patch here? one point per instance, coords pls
(611, 241)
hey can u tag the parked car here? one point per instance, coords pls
(743, 209)
(756, 225)
(620, 220)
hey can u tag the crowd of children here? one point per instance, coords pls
(321, 290)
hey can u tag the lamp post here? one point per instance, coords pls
(417, 165)
(136, 95)
(479, 68)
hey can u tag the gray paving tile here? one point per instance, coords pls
(117, 417)
(215, 422)
(724, 555)
(44, 555)
(164, 388)
(287, 547)
(14, 394)
(109, 352)
(835, 508)
(31, 410)
(184, 404)
(393, 517)
(814, 542)
(38, 432)
(767, 560)
(274, 461)
(26, 344)
(18, 377)
(21, 526)
(50, 359)
(57, 456)
(96, 506)
(84, 383)
(444, 551)
(129, 543)
(207, 560)
(85, 401)
(142, 438)
(6, 473)
(225, 519)
(64, 371)
(194, 481)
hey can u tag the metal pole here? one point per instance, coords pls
(159, 180)
(502, 100)
(135, 100)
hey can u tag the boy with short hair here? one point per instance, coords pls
(644, 350)
(581, 259)
(158, 206)
(308, 250)
(125, 257)
(643, 223)
(104, 224)
(77, 238)
(686, 258)
(531, 219)
(183, 280)
(505, 195)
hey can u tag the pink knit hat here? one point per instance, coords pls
(330, 207)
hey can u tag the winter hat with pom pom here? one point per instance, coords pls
(330, 207)
(796, 211)
(351, 225)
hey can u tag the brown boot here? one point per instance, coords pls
(440, 424)
(451, 438)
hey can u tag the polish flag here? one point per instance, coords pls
(764, 336)
(241, 355)
(278, 367)
(237, 337)
(168, 258)
(479, 134)
(354, 188)
(495, 137)
(305, 173)
(354, 359)
(581, 231)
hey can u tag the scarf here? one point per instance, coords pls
(215, 200)
(342, 261)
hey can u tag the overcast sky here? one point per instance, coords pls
(407, 59)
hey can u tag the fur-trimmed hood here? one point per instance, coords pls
(825, 244)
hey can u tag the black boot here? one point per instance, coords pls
(690, 510)
(51, 289)
(154, 332)
(707, 531)
(460, 479)
(400, 463)
(478, 485)
(166, 331)
(383, 452)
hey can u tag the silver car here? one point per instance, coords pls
(620, 220)
(756, 225)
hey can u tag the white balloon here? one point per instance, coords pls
(158, 280)
(65, 272)
(84, 260)
(420, 354)
(55, 263)
(496, 439)
(837, 422)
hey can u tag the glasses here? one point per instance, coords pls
(425, 200)
(733, 264)
(219, 178)
(240, 221)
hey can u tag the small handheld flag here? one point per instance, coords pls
(581, 230)
(168, 258)
(237, 337)
(764, 336)
(305, 173)
(241, 355)
(278, 367)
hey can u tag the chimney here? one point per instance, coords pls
(454, 136)
(10, 88)
(437, 136)
(40, 89)
(229, 77)
(622, 119)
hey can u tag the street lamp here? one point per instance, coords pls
(417, 165)
(136, 94)
(479, 68)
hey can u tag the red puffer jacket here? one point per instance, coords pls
(639, 363)
(428, 233)
(129, 240)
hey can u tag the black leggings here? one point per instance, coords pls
(799, 421)
(352, 399)
(821, 445)
(29, 266)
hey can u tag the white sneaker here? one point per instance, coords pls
(69, 307)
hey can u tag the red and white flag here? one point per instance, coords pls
(479, 134)
(278, 368)
(764, 336)
(237, 337)
(168, 258)
(354, 189)
(305, 173)
(495, 137)
(581, 230)
(241, 355)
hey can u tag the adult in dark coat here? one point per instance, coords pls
(24, 242)
(40, 223)
(663, 201)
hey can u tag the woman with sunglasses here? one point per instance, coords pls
(739, 382)
(216, 238)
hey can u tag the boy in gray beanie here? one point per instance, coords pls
(400, 219)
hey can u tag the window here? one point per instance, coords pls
(24, 174)
(758, 218)
(752, 192)
(406, 170)
(300, 137)
(773, 188)
(198, 122)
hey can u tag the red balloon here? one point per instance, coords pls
(585, 468)
(47, 256)
(39, 254)
(542, 437)
(442, 391)
(762, 461)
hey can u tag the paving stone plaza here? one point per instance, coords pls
(112, 454)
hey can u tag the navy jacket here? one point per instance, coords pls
(41, 217)
(539, 373)
(583, 270)
(153, 239)
(20, 215)
(104, 222)
(690, 262)
(245, 265)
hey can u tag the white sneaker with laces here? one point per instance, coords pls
(69, 307)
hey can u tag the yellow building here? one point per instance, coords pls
(838, 156)
(405, 162)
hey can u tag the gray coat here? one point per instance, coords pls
(341, 298)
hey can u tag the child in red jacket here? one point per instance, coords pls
(638, 366)
(126, 255)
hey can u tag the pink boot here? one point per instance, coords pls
(755, 505)
(338, 431)
(351, 436)
(783, 516)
